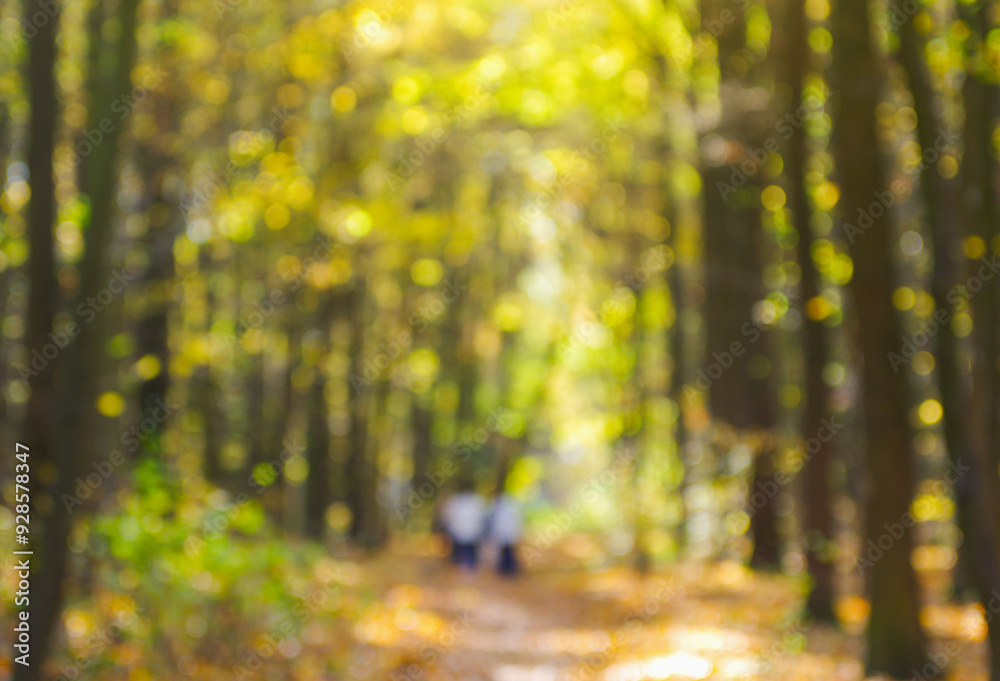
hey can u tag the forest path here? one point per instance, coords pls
(720, 621)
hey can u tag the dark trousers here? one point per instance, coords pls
(464, 555)
(508, 560)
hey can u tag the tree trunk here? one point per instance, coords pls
(318, 489)
(255, 426)
(634, 406)
(206, 401)
(275, 500)
(678, 353)
(939, 195)
(896, 643)
(766, 553)
(735, 252)
(818, 523)
(156, 285)
(978, 491)
(759, 401)
(52, 528)
(151, 343)
(981, 174)
(73, 398)
(421, 423)
(204, 396)
(366, 524)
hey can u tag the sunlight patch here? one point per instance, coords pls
(512, 672)
(673, 666)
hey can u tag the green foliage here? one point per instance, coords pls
(204, 560)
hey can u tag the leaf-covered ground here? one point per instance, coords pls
(691, 621)
(406, 615)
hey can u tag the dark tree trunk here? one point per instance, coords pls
(677, 349)
(6, 370)
(366, 524)
(151, 342)
(155, 287)
(727, 243)
(256, 436)
(816, 485)
(982, 200)
(275, 500)
(463, 370)
(633, 407)
(818, 523)
(896, 643)
(204, 397)
(939, 195)
(421, 422)
(72, 399)
(978, 491)
(735, 253)
(760, 403)
(52, 528)
(318, 488)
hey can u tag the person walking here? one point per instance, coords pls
(464, 517)
(505, 527)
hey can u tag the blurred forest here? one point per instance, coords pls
(710, 286)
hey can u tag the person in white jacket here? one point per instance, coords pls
(464, 518)
(505, 527)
